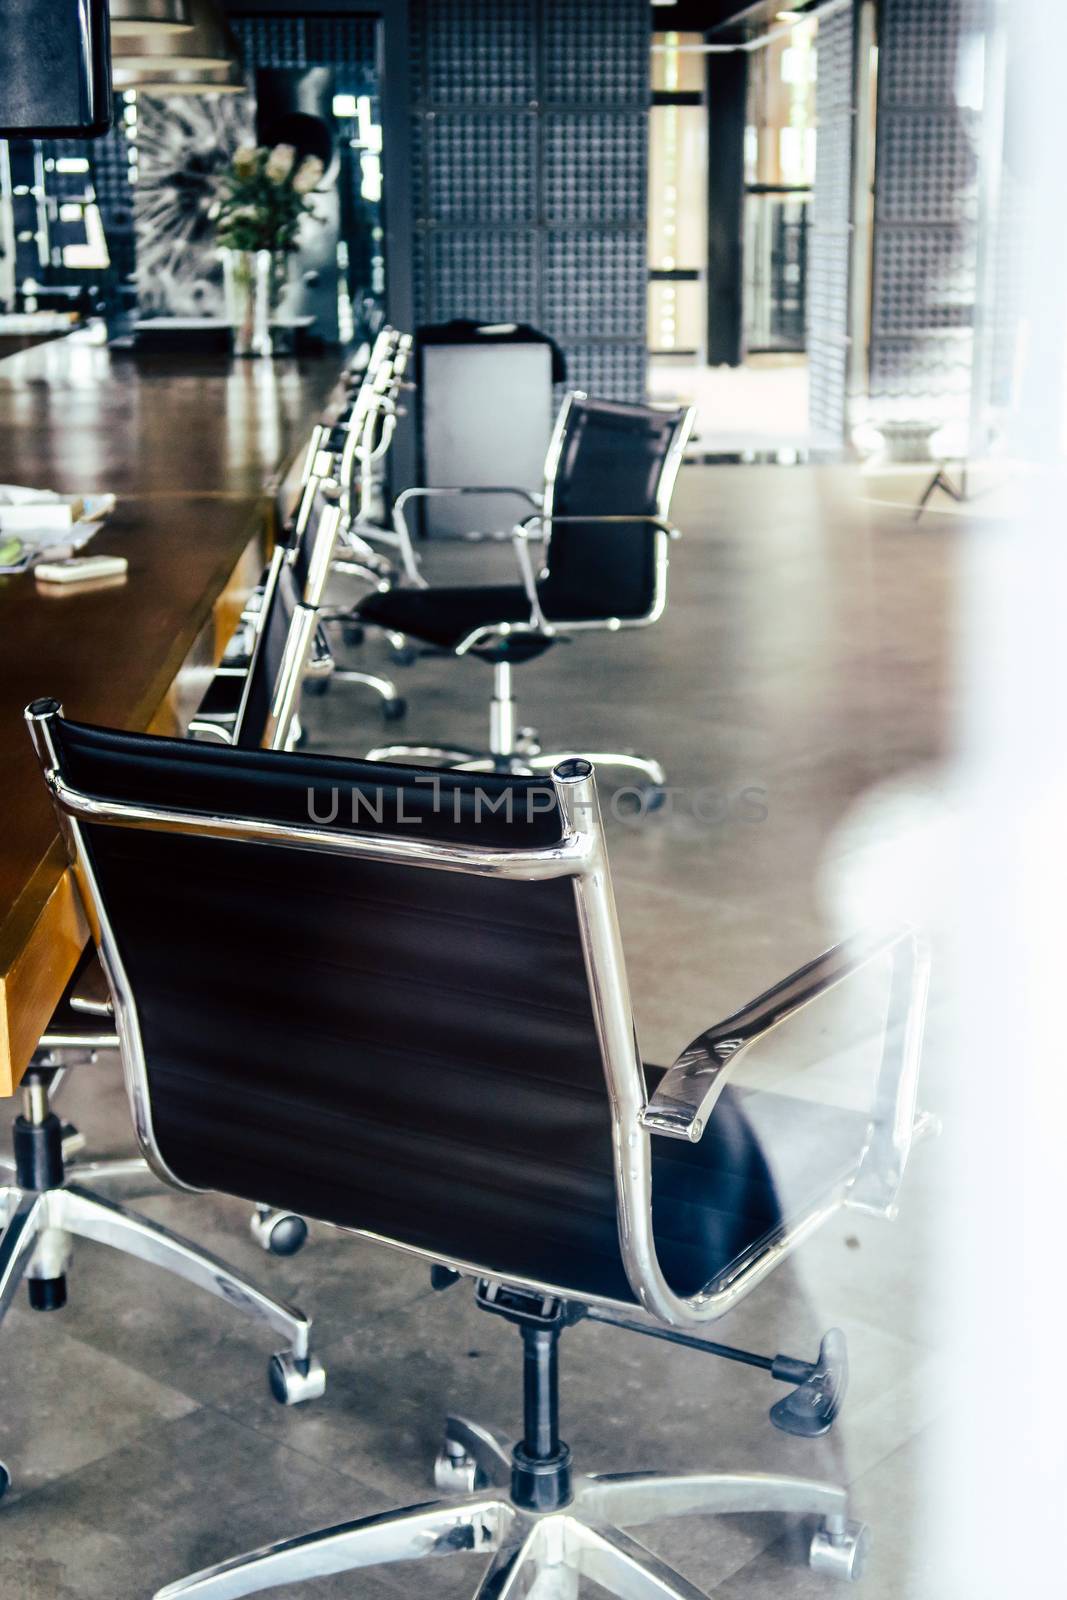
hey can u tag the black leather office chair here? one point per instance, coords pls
(609, 478)
(256, 706)
(460, 1078)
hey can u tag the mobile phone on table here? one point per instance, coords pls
(81, 569)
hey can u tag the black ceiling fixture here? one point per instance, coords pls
(726, 20)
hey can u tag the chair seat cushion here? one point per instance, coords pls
(444, 617)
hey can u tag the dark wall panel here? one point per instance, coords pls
(530, 148)
(347, 43)
(727, 81)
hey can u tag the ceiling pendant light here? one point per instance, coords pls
(194, 80)
(205, 59)
(142, 16)
(208, 42)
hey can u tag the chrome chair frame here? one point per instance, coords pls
(558, 1544)
(519, 750)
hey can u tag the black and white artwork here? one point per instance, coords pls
(185, 144)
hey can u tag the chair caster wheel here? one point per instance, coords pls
(47, 1294)
(316, 686)
(293, 1381)
(456, 1474)
(282, 1233)
(403, 655)
(841, 1554)
(353, 634)
(654, 798)
(394, 710)
(5, 1480)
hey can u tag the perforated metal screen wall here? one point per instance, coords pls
(829, 236)
(926, 208)
(530, 138)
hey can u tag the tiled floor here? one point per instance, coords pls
(805, 653)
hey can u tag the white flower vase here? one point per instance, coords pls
(248, 282)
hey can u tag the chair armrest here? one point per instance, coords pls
(685, 1098)
(523, 529)
(521, 545)
(422, 493)
(402, 532)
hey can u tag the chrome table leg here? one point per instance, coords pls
(442, 1528)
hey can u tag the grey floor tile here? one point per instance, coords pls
(64, 1404)
(134, 1310)
(181, 1497)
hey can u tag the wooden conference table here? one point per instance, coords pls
(194, 449)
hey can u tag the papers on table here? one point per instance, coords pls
(38, 525)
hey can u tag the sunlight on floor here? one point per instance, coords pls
(760, 406)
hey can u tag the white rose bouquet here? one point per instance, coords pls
(265, 194)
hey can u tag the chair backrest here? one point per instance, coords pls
(312, 540)
(280, 601)
(371, 425)
(338, 1016)
(609, 459)
(385, 343)
(292, 594)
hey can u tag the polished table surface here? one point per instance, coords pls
(194, 450)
